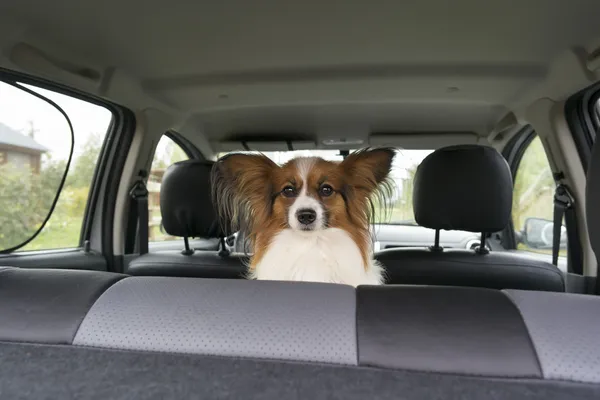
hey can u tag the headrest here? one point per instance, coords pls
(185, 200)
(592, 199)
(466, 187)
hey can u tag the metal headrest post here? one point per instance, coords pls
(482, 249)
(436, 245)
(187, 251)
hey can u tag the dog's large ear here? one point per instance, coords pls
(368, 168)
(241, 187)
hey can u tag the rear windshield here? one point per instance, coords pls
(399, 211)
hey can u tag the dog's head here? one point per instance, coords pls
(305, 194)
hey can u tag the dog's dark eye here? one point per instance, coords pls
(288, 191)
(326, 191)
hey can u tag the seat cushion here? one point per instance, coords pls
(201, 264)
(464, 331)
(457, 267)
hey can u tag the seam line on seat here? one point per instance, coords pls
(106, 289)
(531, 341)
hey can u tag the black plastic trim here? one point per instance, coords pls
(86, 227)
(513, 153)
(120, 142)
(594, 113)
(516, 147)
(188, 147)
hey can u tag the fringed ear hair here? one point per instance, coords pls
(368, 173)
(241, 185)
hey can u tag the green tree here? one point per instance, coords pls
(171, 154)
(64, 226)
(534, 186)
(83, 166)
(401, 210)
(404, 206)
(25, 199)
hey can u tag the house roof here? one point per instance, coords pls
(11, 137)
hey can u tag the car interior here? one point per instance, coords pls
(118, 279)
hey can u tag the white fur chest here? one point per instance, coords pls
(328, 255)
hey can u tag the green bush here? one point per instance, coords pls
(26, 198)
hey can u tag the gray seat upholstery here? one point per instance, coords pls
(463, 331)
(187, 211)
(466, 188)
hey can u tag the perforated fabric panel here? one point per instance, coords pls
(261, 319)
(565, 330)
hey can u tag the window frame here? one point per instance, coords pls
(514, 152)
(187, 148)
(104, 185)
(131, 233)
(583, 119)
(18, 84)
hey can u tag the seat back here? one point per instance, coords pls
(461, 331)
(187, 211)
(466, 188)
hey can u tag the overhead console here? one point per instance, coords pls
(257, 145)
(408, 141)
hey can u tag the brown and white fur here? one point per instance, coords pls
(309, 219)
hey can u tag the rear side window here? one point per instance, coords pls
(49, 147)
(533, 204)
(167, 153)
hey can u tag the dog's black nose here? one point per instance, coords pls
(306, 216)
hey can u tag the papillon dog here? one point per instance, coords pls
(309, 219)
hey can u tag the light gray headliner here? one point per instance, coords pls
(318, 66)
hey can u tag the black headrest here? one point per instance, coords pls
(592, 199)
(185, 200)
(467, 187)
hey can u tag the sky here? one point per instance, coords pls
(404, 160)
(18, 108)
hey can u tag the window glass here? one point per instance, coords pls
(167, 153)
(533, 202)
(35, 143)
(400, 208)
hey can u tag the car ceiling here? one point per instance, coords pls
(307, 71)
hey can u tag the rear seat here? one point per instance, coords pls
(462, 331)
(187, 211)
(466, 188)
